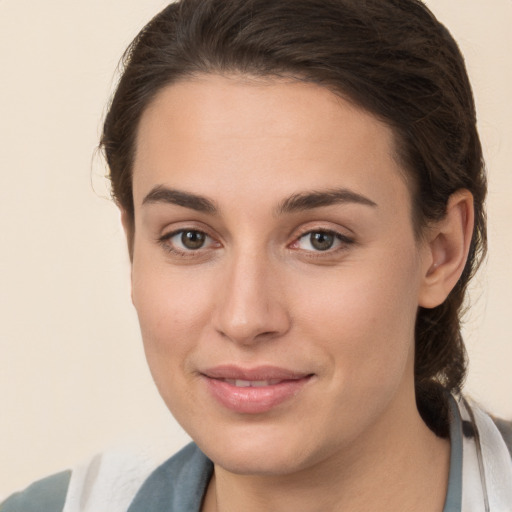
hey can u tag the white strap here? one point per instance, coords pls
(487, 466)
(497, 463)
(108, 482)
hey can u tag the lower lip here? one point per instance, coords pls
(254, 400)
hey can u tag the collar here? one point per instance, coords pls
(486, 462)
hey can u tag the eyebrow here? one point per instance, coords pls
(162, 194)
(302, 201)
(317, 199)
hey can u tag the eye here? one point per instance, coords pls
(186, 240)
(321, 241)
(191, 240)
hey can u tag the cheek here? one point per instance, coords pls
(171, 307)
(171, 311)
(365, 316)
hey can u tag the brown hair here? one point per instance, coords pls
(390, 57)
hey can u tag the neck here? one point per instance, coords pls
(392, 467)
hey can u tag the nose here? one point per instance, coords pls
(251, 303)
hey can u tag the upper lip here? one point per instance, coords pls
(258, 373)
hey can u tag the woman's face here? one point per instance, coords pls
(275, 274)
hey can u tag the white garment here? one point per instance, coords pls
(487, 465)
(108, 483)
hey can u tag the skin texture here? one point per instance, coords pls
(258, 292)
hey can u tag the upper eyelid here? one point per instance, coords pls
(174, 231)
(335, 225)
(323, 230)
(336, 232)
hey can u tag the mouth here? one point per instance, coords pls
(239, 383)
(256, 390)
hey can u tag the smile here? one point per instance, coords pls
(252, 383)
(253, 391)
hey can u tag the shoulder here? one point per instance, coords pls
(108, 479)
(176, 485)
(487, 460)
(118, 481)
(493, 434)
(46, 495)
(505, 428)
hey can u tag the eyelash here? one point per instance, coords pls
(165, 242)
(342, 240)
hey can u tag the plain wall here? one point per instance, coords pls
(73, 379)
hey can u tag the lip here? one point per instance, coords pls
(285, 384)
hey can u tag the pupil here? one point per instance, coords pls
(322, 241)
(193, 239)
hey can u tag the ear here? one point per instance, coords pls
(447, 248)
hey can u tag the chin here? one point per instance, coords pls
(258, 451)
(269, 463)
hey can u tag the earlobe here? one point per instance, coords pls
(448, 246)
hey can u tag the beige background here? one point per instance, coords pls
(73, 379)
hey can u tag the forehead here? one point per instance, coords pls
(249, 135)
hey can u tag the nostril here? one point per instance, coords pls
(250, 333)
(268, 334)
(250, 306)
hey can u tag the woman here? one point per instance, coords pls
(301, 185)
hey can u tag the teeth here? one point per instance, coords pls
(260, 383)
(252, 383)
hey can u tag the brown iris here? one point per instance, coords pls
(193, 239)
(321, 241)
